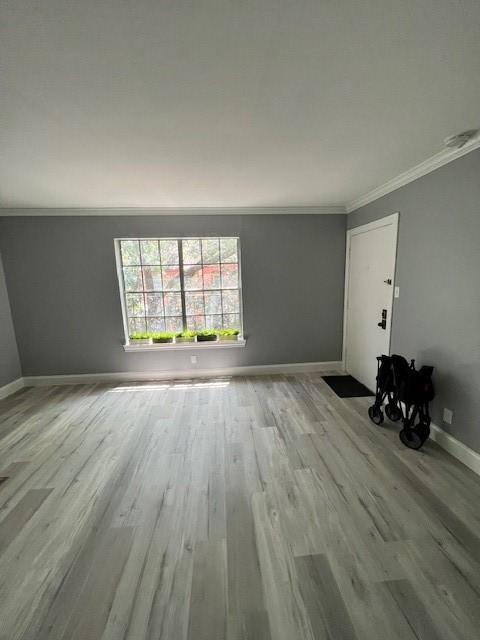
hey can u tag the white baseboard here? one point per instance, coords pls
(454, 447)
(457, 449)
(91, 378)
(11, 387)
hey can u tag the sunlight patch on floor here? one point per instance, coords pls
(172, 386)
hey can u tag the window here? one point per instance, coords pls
(179, 284)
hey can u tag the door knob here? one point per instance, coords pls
(383, 323)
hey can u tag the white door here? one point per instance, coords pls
(369, 280)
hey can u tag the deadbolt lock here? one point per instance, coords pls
(383, 323)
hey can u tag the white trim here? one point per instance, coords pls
(120, 276)
(419, 170)
(335, 209)
(118, 264)
(451, 445)
(11, 387)
(376, 224)
(457, 449)
(124, 376)
(423, 168)
(170, 346)
(345, 300)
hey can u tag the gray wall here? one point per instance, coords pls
(437, 316)
(9, 360)
(66, 307)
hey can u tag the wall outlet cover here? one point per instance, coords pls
(396, 292)
(447, 416)
(193, 359)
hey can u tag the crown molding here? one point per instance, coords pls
(419, 170)
(427, 166)
(170, 211)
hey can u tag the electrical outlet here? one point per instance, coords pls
(447, 416)
(193, 359)
(396, 292)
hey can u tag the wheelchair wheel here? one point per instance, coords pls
(375, 414)
(414, 438)
(423, 430)
(393, 412)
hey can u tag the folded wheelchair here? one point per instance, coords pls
(406, 394)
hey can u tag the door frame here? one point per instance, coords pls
(375, 224)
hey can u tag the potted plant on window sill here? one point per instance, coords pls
(162, 338)
(139, 338)
(207, 335)
(185, 336)
(228, 334)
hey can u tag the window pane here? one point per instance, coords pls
(152, 278)
(130, 252)
(231, 302)
(136, 324)
(172, 303)
(211, 276)
(169, 251)
(135, 306)
(155, 324)
(210, 250)
(213, 302)
(191, 252)
(195, 323)
(231, 321)
(150, 253)
(194, 303)
(192, 274)
(154, 304)
(230, 276)
(132, 277)
(171, 278)
(174, 324)
(213, 322)
(228, 250)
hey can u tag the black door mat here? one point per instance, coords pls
(347, 387)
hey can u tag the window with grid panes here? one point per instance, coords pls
(178, 284)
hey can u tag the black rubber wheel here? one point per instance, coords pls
(423, 430)
(393, 412)
(375, 414)
(411, 438)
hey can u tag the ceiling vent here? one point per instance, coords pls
(459, 140)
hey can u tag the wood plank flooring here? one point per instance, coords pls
(256, 508)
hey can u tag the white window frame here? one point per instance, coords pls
(129, 346)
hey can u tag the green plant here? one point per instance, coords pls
(163, 336)
(206, 335)
(186, 334)
(139, 335)
(228, 332)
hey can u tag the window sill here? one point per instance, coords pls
(169, 346)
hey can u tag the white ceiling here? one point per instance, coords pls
(175, 103)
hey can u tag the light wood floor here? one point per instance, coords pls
(258, 508)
